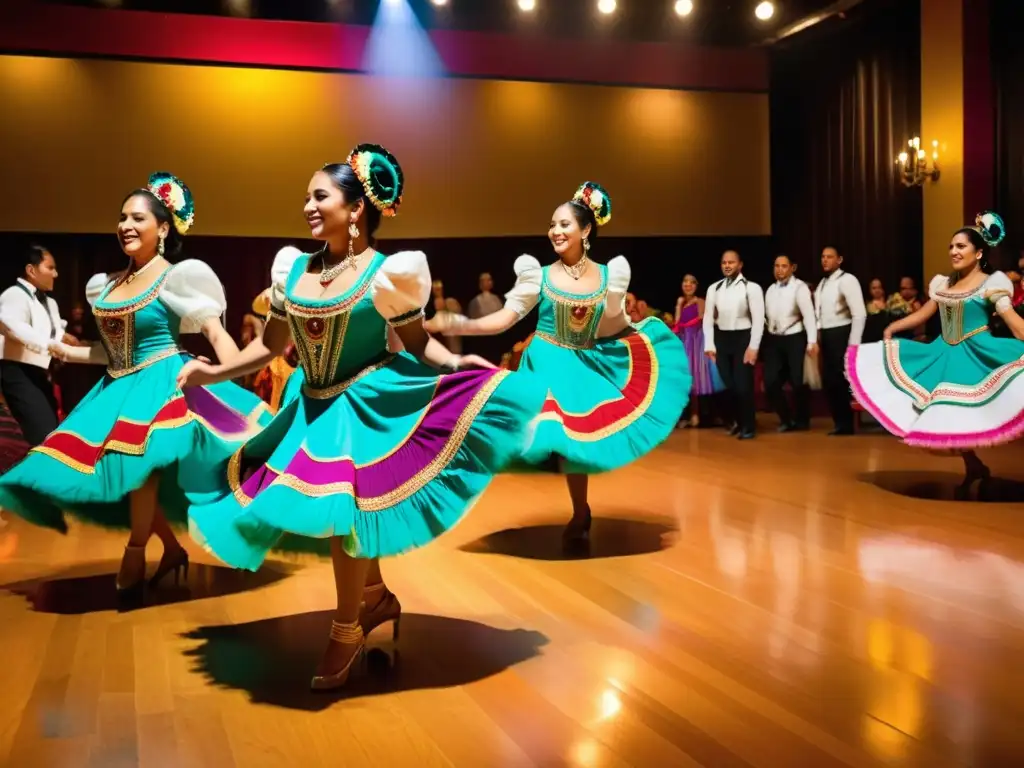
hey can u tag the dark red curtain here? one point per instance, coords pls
(844, 95)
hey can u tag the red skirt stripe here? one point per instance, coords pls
(632, 396)
(124, 437)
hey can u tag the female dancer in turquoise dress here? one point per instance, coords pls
(106, 461)
(615, 391)
(383, 440)
(964, 390)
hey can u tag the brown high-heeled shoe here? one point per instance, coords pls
(176, 563)
(344, 634)
(387, 608)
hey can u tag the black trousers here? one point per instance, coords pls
(833, 375)
(29, 394)
(783, 360)
(737, 377)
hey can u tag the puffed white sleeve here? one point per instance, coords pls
(94, 288)
(194, 293)
(999, 290)
(279, 273)
(526, 292)
(619, 274)
(938, 283)
(401, 288)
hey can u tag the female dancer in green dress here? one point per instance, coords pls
(615, 391)
(383, 439)
(964, 390)
(105, 463)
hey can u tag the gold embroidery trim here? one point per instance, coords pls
(326, 393)
(116, 373)
(393, 497)
(133, 305)
(956, 393)
(551, 339)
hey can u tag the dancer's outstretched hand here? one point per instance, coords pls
(474, 361)
(195, 373)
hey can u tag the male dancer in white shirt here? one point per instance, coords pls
(839, 302)
(31, 323)
(792, 334)
(733, 326)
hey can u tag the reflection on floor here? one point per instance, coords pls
(795, 600)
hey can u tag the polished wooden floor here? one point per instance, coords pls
(797, 600)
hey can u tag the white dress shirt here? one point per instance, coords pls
(789, 309)
(484, 304)
(734, 305)
(839, 302)
(28, 326)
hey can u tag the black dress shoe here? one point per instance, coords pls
(841, 432)
(746, 435)
(734, 430)
(787, 427)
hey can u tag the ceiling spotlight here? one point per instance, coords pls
(439, 2)
(764, 11)
(684, 7)
(527, 5)
(606, 6)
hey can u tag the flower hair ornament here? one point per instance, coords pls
(381, 176)
(172, 192)
(991, 228)
(595, 197)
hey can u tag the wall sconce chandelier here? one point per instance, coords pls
(915, 166)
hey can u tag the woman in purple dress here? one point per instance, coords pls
(688, 327)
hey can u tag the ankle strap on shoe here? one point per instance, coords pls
(346, 634)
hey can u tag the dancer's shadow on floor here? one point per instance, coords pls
(273, 659)
(942, 486)
(90, 587)
(609, 537)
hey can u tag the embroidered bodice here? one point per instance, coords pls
(567, 319)
(964, 314)
(142, 330)
(341, 337)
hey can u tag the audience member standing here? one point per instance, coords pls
(792, 335)
(31, 322)
(839, 303)
(733, 326)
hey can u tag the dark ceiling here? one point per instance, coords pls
(713, 22)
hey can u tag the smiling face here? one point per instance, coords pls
(689, 286)
(138, 230)
(564, 232)
(963, 254)
(327, 212)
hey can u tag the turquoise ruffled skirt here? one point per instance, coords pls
(388, 464)
(123, 431)
(610, 404)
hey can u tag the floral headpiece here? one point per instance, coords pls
(991, 228)
(380, 175)
(595, 197)
(172, 192)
